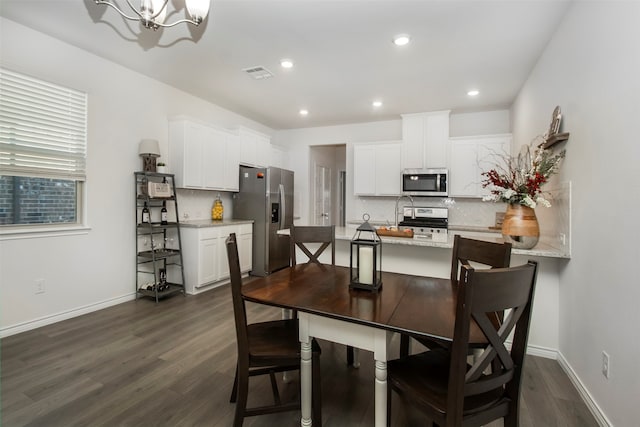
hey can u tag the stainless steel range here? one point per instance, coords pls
(427, 223)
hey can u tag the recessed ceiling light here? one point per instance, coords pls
(286, 63)
(304, 112)
(401, 39)
(377, 103)
(473, 92)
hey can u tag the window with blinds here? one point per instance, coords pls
(43, 150)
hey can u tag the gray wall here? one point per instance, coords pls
(590, 69)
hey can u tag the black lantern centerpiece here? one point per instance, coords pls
(365, 265)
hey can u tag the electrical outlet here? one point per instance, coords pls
(605, 364)
(39, 286)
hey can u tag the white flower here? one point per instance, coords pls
(508, 193)
(490, 198)
(528, 201)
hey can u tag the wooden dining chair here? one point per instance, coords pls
(325, 235)
(301, 236)
(265, 348)
(442, 384)
(465, 252)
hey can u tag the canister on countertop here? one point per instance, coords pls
(217, 211)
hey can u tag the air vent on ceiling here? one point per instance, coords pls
(258, 72)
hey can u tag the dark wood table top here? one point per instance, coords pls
(406, 303)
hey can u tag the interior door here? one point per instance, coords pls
(322, 199)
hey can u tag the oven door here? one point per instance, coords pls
(429, 182)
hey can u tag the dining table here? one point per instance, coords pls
(329, 309)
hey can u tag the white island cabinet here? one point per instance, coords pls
(205, 254)
(376, 169)
(470, 157)
(202, 156)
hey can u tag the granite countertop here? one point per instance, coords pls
(483, 233)
(201, 223)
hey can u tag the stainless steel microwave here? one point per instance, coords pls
(425, 182)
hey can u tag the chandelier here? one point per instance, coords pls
(152, 13)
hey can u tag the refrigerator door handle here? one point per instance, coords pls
(281, 200)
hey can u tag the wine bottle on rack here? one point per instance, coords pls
(146, 218)
(163, 214)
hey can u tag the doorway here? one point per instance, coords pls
(327, 184)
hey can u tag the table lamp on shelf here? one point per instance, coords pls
(149, 150)
(365, 260)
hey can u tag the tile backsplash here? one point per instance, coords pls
(197, 204)
(555, 221)
(462, 211)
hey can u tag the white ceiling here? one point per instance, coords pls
(342, 50)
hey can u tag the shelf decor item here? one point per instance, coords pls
(161, 167)
(365, 264)
(149, 150)
(518, 181)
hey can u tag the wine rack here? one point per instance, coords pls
(159, 264)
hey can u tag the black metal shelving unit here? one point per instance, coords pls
(161, 248)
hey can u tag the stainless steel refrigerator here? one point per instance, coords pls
(266, 197)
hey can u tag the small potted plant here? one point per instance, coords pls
(161, 167)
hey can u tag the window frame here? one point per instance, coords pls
(69, 156)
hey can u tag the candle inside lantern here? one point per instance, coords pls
(365, 265)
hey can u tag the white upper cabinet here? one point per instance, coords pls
(203, 156)
(278, 157)
(255, 147)
(470, 157)
(425, 140)
(377, 169)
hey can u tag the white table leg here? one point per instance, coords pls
(381, 394)
(305, 383)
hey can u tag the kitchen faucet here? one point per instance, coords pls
(412, 206)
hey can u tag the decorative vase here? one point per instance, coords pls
(161, 169)
(520, 227)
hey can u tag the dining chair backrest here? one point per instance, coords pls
(239, 310)
(466, 251)
(300, 236)
(480, 293)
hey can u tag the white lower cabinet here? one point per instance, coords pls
(205, 254)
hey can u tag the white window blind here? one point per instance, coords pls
(43, 128)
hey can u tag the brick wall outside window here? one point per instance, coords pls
(27, 200)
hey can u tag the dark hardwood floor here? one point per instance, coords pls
(172, 364)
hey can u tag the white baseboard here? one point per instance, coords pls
(48, 320)
(600, 417)
(547, 353)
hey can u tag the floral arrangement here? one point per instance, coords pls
(520, 179)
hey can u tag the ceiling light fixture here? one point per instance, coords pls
(377, 104)
(401, 39)
(152, 13)
(304, 112)
(286, 63)
(473, 93)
